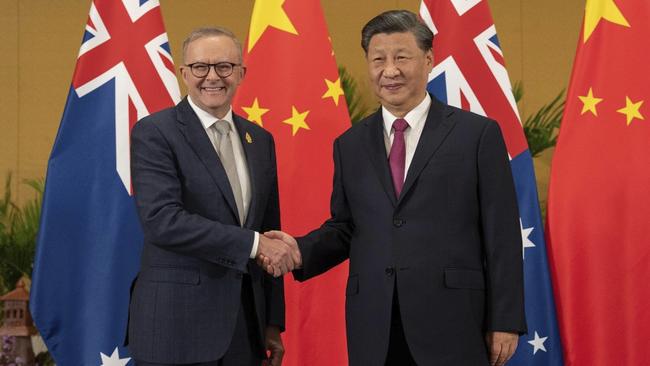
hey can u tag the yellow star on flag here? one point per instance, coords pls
(589, 102)
(297, 120)
(596, 10)
(268, 13)
(334, 90)
(631, 110)
(255, 112)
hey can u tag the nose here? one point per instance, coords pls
(212, 73)
(390, 70)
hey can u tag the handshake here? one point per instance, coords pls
(278, 253)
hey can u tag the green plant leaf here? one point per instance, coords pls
(541, 128)
(18, 230)
(518, 91)
(356, 109)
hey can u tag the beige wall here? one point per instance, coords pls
(8, 89)
(39, 41)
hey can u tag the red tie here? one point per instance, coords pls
(397, 155)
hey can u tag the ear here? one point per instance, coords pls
(242, 72)
(185, 74)
(429, 57)
(429, 60)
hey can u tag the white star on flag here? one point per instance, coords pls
(538, 343)
(526, 243)
(114, 360)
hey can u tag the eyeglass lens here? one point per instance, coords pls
(223, 69)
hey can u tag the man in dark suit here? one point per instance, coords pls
(424, 206)
(205, 185)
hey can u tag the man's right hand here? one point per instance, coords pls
(276, 256)
(279, 269)
(502, 346)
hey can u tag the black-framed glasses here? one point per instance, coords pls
(223, 69)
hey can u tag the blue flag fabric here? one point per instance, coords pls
(90, 239)
(469, 73)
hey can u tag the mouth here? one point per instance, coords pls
(392, 86)
(213, 89)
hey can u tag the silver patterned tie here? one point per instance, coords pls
(227, 156)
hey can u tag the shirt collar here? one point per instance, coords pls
(414, 117)
(207, 120)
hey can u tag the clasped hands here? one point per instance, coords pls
(278, 253)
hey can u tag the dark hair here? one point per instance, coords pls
(210, 32)
(397, 21)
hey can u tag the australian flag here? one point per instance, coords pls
(470, 73)
(90, 240)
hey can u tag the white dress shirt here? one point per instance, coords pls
(207, 120)
(416, 119)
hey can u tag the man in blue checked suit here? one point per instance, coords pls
(205, 186)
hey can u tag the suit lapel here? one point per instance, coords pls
(197, 139)
(253, 159)
(377, 150)
(436, 129)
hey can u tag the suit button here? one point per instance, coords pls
(390, 271)
(398, 222)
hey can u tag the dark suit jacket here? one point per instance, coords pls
(450, 244)
(185, 300)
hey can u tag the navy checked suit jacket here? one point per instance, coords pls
(185, 299)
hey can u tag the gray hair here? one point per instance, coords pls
(210, 32)
(397, 21)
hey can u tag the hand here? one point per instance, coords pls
(275, 256)
(274, 346)
(290, 241)
(502, 346)
(266, 263)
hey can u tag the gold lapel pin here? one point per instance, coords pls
(249, 139)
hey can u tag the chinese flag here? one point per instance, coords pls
(292, 88)
(599, 197)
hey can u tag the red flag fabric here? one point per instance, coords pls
(292, 88)
(599, 196)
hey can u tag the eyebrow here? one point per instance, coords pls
(401, 49)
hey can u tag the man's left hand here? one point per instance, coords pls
(274, 346)
(502, 346)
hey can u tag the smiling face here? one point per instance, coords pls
(398, 70)
(212, 93)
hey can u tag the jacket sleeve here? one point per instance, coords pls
(501, 234)
(165, 221)
(328, 245)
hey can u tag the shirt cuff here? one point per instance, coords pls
(256, 241)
